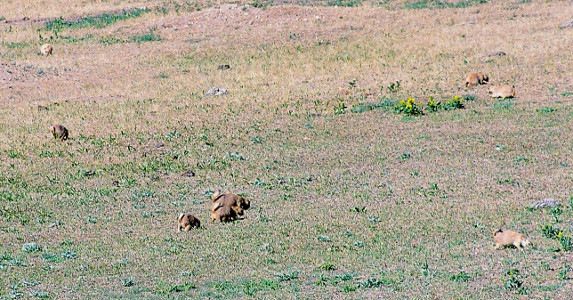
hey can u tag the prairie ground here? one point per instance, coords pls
(351, 196)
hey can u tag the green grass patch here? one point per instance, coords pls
(436, 4)
(385, 104)
(345, 3)
(146, 37)
(98, 21)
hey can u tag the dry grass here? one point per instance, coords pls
(344, 205)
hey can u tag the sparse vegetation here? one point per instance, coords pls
(348, 198)
(97, 21)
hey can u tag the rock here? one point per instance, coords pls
(567, 24)
(498, 53)
(215, 91)
(223, 67)
(547, 202)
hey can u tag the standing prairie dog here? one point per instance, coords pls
(473, 79)
(187, 221)
(59, 132)
(46, 49)
(504, 238)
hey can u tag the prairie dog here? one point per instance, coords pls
(59, 132)
(503, 238)
(46, 49)
(187, 221)
(473, 79)
(502, 91)
(227, 207)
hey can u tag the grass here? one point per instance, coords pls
(433, 4)
(97, 21)
(348, 199)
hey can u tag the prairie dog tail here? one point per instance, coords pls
(180, 217)
(497, 231)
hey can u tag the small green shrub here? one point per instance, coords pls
(127, 282)
(456, 102)
(460, 277)
(549, 232)
(287, 276)
(328, 267)
(409, 107)
(432, 105)
(376, 282)
(563, 273)
(340, 108)
(469, 97)
(394, 87)
(512, 280)
(565, 241)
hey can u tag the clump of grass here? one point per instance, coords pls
(462, 276)
(512, 280)
(340, 108)
(469, 97)
(563, 273)
(99, 21)
(287, 276)
(328, 267)
(376, 282)
(546, 109)
(127, 282)
(433, 4)
(503, 104)
(549, 232)
(344, 3)
(31, 247)
(385, 104)
(150, 36)
(565, 240)
(394, 87)
(164, 288)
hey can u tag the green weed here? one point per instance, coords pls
(462, 276)
(409, 107)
